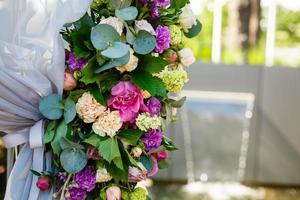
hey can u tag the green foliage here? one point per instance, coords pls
(163, 164)
(179, 4)
(88, 75)
(73, 160)
(195, 30)
(116, 50)
(96, 92)
(76, 94)
(50, 132)
(127, 14)
(153, 64)
(168, 144)
(144, 43)
(117, 4)
(114, 63)
(61, 131)
(147, 162)
(177, 104)
(150, 83)
(103, 35)
(51, 107)
(109, 149)
(69, 110)
(131, 135)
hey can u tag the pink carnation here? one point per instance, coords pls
(128, 100)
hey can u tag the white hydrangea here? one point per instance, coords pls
(145, 122)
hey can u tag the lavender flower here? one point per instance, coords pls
(161, 3)
(144, 2)
(152, 140)
(62, 176)
(75, 194)
(154, 12)
(73, 63)
(86, 179)
(163, 39)
(154, 106)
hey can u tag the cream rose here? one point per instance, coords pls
(144, 25)
(131, 65)
(102, 176)
(187, 18)
(108, 123)
(187, 57)
(114, 22)
(88, 109)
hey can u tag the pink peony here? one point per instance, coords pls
(155, 167)
(43, 183)
(128, 100)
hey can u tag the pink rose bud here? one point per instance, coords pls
(69, 82)
(137, 174)
(113, 193)
(43, 183)
(162, 155)
(170, 56)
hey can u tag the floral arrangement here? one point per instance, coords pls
(125, 62)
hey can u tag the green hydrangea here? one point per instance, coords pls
(145, 122)
(138, 194)
(176, 34)
(97, 3)
(174, 80)
(125, 195)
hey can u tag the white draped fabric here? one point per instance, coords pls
(31, 66)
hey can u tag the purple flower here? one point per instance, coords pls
(75, 194)
(62, 176)
(163, 39)
(154, 12)
(86, 179)
(144, 2)
(152, 140)
(154, 106)
(161, 3)
(73, 63)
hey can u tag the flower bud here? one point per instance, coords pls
(69, 82)
(44, 183)
(136, 152)
(170, 56)
(113, 193)
(162, 155)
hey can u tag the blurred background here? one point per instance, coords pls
(239, 132)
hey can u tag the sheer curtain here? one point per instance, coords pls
(31, 66)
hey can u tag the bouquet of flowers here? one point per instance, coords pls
(124, 62)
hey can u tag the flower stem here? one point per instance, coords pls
(64, 187)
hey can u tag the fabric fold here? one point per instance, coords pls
(31, 67)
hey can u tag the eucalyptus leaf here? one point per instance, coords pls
(103, 35)
(73, 160)
(127, 14)
(144, 43)
(130, 37)
(69, 110)
(116, 50)
(117, 4)
(114, 63)
(61, 131)
(65, 144)
(195, 30)
(147, 162)
(51, 107)
(50, 132)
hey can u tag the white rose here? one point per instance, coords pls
(108, 123)
(88, 109)
(131, 65)
(102, 176)
(187, 57)
(144, 25)
(114, 22)
(187, 18)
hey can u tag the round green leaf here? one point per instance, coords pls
(195, 30)
(103, 35)
(127, 14)
(69, 110)
(144, 43)
(51, 107)
(117, 50)
(117, 4)
(73, 160)
(114, 63)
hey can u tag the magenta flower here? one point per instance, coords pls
(162, 155)
(86, 179)
(163, 39)
(128, 100)
(155, 167)
(161, 3)
(73, 63)
(154, 12)
(152, 140)
(44, 183)
(154, 106)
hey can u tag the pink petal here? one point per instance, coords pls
(118, 89)
(155, 167)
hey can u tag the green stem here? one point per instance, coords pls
(65, 186)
